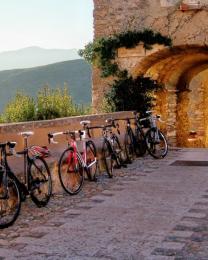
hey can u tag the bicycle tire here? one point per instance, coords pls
(91, 154)
(140, 147)
(11, 184)
(71, 175)
(107, 158)
(129, 145)
(40, 183)
(154, 148)
(119, 154)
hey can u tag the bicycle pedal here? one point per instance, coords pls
(128, 161)
(4, 196)
(117, 167)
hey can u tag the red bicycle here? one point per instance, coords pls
(73, 162)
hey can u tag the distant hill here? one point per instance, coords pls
(35, 56)
(75, 73)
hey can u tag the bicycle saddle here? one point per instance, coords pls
(148, 112)
(26, 134)
(109, 120)
(86, 122)
(11, 144)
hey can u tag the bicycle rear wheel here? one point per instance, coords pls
(107, 158)
(71, 172)
(91, 160)
(40, 182)
(140, 148)
(129, 145)
(119, 155)
(156, 143)
(9, 205)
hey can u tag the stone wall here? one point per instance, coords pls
(10, 132)
(114, 16)
(173, 67)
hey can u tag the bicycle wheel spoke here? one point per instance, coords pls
(70, 172)
(10, 206)
(107, 158)
(91, 160)
(40, 182)
(156, 144)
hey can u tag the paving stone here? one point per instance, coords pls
(195, 215)
(200, 206)
(202, 200)
(160, 257)
(3, 242)
(172, 245)
(187, 223)
(182, 234)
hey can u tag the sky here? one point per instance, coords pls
(59, 24)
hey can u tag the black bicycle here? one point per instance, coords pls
(112, 153)
(37, 178)
(134, 138)
(155, 140)
(145, 136)
(10, 199)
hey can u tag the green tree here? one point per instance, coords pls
(20, 108)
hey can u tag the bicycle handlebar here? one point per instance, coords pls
(72, 133)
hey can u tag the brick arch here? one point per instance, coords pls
(175, 68)
(168, 56)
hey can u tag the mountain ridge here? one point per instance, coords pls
(74, 73)
(34, 56)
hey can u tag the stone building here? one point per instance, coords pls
(183, 69)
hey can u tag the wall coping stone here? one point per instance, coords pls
(13, 127)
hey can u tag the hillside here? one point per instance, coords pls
(35, 56)
(75, 73)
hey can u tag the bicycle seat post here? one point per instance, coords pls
(25, 142)
(25, 136)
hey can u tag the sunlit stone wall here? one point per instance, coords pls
(187, 29)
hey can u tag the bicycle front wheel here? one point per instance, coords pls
(156, 143)
(10, 203)
(107, 158)
(40, 182)
(140, 148)
(91, 160)
(71, 171)
(129, 145)
(119, 155)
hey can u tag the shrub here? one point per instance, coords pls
(131, 94)
(49, 104)
(20, 108)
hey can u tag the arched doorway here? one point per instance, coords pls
(183, 103)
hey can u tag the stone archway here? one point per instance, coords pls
(183, 70)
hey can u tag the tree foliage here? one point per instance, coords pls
(131, 94)
(49, 104)
(125, 93)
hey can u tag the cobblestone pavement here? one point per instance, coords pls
(149, 211)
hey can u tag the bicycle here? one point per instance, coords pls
(134, 141)
(112, 153)
(155, 140)
(73, 163)
(10, 199)
(138, 141)
(37, 179)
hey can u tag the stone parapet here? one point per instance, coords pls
(9, 132)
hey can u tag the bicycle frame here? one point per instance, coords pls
(153, 125)
(72, 142)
